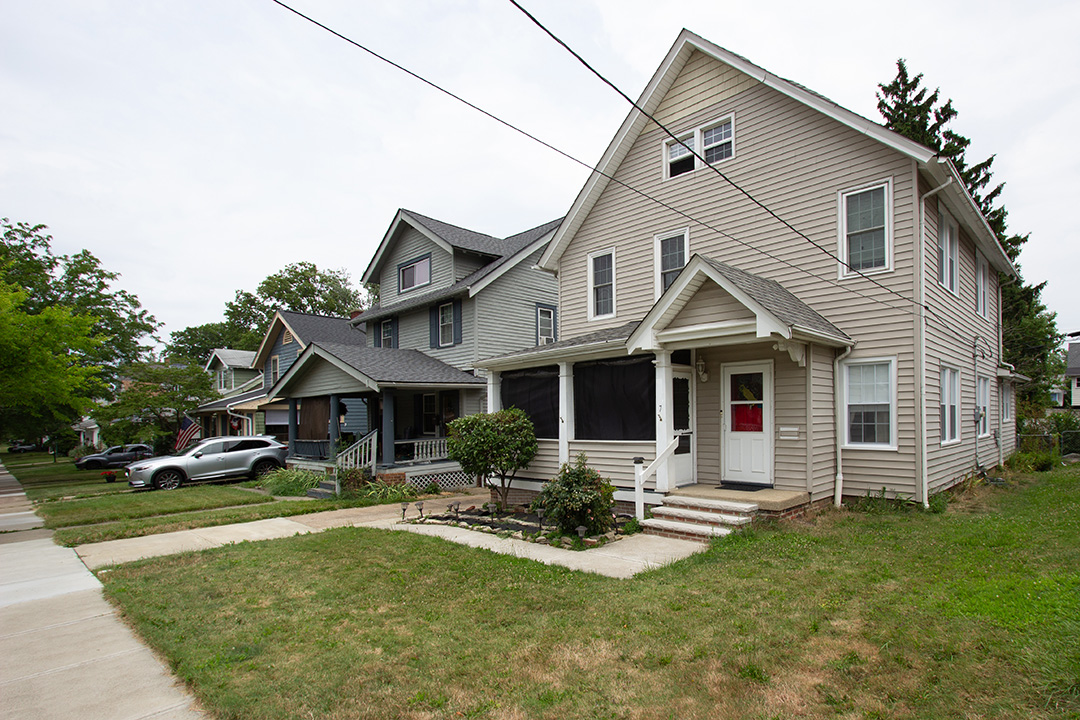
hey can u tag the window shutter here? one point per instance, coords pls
(376, 330)
(393, 332)
(433, 326)
(457, 322)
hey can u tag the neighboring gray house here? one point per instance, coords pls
(725, 350)
(449, 297)
(1072, 369)
(231, 370)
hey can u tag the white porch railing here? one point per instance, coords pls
(642, 474)
(426, 449)
(362, 453)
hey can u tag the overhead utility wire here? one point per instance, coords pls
(731, 182)
(595, 169)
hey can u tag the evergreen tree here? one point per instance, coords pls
(1030, 337)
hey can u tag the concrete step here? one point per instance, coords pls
(702, 517)
(683, 530)
(707, 505)
(325, 491)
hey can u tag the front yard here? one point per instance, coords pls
(971, 614)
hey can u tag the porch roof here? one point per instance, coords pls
(232, 401)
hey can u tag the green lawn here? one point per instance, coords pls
(44, 479)
(145, 504)
(974, 613)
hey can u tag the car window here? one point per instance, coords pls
(113, 450)
(211, 448)
(248, 445)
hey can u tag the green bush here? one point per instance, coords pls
(82, 451)
(355, 478)
(290, 481)
(578, 495)
(1034, 461)
(387, 492)
(493, 445)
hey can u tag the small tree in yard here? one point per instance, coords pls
(493, 445)
(577, 496)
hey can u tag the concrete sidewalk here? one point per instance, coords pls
(64, 653)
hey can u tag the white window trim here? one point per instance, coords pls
(449, 342)
(944, 440)
(952, 249)
(275, 373)
(982, 286)
(982, 401)
(614, 285)
(892, 444)
(842, 246)
(401, 272)
(1007, 402)
(383, 336)
(539, 337)
(698, 136)
(658, 281)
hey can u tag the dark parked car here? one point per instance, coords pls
(115, 457)
(218, 457)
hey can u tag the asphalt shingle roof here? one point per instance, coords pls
(232, 400)
(235, 358)
(316, 328)
(396, 365)
(459, 237)
(1072, 365)
(594, 338)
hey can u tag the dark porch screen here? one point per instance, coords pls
(314, 419)
(615, 399)
(536, 391)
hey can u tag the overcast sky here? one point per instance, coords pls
(197, 146)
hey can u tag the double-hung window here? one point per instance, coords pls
(718, 141)
(671, 252)
(982, 402)
(386, 333)
(680, 156)
(948, 253)
(602, 284)
(223, 382)
(1007, 401)
(982, 286)
(446, 324)
(545, 324)
(870, 399)
(715, 142)
(865, 229)
(274, 368)
(414, 274)
(950, 405)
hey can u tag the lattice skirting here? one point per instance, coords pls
(446, 480)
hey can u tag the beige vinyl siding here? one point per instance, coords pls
(506, 309)
(711, 303)
(824, 419)
(410, 245)
(614, 460)
(796, 161)
(322, 378)
(546, 463)
(951, 329)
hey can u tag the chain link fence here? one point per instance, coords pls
(1064, 443)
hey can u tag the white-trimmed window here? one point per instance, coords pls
(602, 284)
(870, 403)
(982, 285)
(866, 229)
(982, 402)
(223, 379)
(274, 366)
(446, 324)
(414, 274)
(716, 141)
(545, 324)
(950, 405)
(386, 333)
(1007, 401)
(948, 253)
(671, 252)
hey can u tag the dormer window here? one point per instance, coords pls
(414, 274)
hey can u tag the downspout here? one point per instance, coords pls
(243, 418)
(838, 487)
(920, 386)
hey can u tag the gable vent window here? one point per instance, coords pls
(286, 337)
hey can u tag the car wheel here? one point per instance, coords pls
(168, 479)
(262, 467)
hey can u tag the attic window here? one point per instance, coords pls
(414, 274)
(286, 337)
(680, 157)
(715, 141)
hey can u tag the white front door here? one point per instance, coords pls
(747, 448)
(681, 466)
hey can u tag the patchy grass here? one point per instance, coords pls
(44, 479)
(970, 613)
(144, 504)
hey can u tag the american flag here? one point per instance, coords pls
(188, 430)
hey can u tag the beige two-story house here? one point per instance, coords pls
(781, 294)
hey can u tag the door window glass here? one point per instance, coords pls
(747, 406)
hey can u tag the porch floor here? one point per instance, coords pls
(767, 499)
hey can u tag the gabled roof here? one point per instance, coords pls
(306, 329)
(599, 341)
(685, 45)
(518, 248)
(378, 368)
(232, 401)
(776, 311)
(231, 358)
(1072, 365)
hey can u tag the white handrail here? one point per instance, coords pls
(362, 453)
(641, 475)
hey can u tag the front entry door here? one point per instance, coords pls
(747, 450)
(681, 466)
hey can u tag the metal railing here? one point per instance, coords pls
(362, 453)
(642, 474)
(421, 449)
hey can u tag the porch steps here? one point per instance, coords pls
(325, 491)
(700, 519)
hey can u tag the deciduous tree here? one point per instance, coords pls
(493, 446)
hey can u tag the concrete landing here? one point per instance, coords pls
(767, 499)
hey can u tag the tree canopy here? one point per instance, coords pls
(1029, 330)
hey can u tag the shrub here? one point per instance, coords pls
(354, 478)
(290, 481)
(493, 445)
(578, 495)
(387, 492)
(82, 451)
(1034, 461)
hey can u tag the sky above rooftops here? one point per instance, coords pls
(198, 147)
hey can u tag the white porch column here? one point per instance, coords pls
(494, 391)
(566, 410)
(665, 421)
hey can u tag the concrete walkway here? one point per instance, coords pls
(64, 652)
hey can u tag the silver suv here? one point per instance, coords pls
(218, 457)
